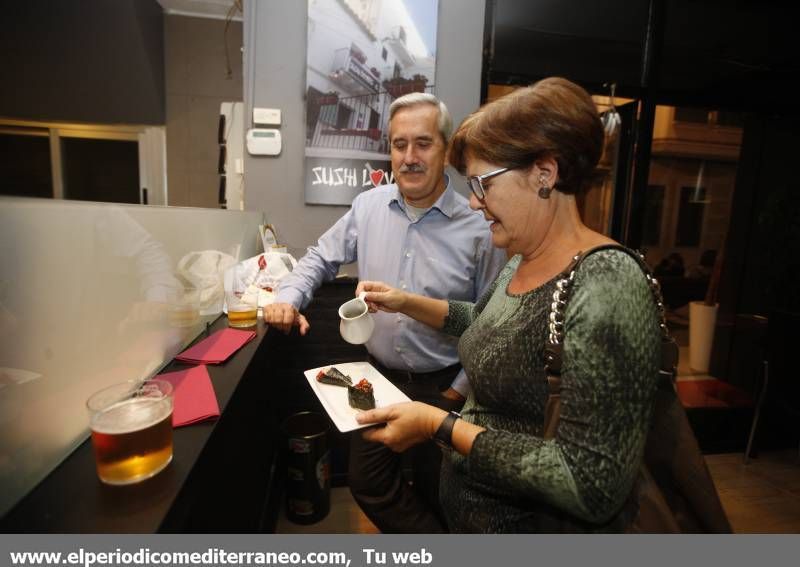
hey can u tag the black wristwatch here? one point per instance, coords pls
(444, 435)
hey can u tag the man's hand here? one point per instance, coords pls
(284, 316)
(452, 394)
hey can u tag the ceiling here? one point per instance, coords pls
(217, 9)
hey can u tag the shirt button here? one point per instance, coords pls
(408, 254)
(398, 349)
(403, 286)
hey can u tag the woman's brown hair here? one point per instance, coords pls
(551, 118)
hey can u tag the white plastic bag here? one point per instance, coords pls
(261, 275)
(204, 270)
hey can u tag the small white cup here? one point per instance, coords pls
(356, 324)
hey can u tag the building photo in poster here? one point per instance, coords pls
(361, 56)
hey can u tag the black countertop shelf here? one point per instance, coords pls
(226, 475)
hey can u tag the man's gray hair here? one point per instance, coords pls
(444, 122)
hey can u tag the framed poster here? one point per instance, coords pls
(362, 55)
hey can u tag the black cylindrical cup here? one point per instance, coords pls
(308, 468)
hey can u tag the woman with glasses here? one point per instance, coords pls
(526, 156)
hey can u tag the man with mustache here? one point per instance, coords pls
(420, 235)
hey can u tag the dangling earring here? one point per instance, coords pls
(544, 190)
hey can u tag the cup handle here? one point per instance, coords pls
(362, 295)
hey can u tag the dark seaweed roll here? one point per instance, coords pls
(335, 377)
(361, 396)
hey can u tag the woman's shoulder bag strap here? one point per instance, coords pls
(555, 342)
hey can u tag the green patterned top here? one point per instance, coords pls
(515, 481)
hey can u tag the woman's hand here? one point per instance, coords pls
(407, 424)
(380, 296)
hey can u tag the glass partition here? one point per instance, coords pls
(92, 294)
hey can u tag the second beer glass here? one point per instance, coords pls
(242, 307)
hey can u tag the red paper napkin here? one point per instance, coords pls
(194, 398)
(218, 347)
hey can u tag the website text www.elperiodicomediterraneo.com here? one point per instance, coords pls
(214, 557)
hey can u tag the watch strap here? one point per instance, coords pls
(444, 434)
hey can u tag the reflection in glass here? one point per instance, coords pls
(25, 164)
(653, 212)
(100, 170)
(688, 207)
(690, 216)
(85, 296)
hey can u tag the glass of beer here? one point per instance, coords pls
(241, 301)
(131, 425)
(241, 314)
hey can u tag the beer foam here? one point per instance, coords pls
(131, 415)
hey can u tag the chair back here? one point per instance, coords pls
(784, 362)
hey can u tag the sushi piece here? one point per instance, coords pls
(335, 377)
(361, 396)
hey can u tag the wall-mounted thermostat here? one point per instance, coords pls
(263, 142)
(267, 116)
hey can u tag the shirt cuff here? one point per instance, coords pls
(461, 384)
(290, 296)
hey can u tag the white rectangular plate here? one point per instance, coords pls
(334, 398)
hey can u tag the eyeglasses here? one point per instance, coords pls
(475, 182)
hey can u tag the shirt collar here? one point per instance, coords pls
(445, 203)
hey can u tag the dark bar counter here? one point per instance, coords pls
(226, 475)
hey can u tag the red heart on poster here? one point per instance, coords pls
(376, 175)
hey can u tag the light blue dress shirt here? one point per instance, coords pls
(445, 254)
